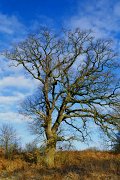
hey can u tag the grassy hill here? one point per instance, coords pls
(69, 165)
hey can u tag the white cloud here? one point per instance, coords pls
(10, 24)
(19, 81)
(21, 88)
(9, 100)
(12, 117)
(102, 17)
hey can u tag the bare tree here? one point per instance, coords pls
(78, 84)
(8, 140)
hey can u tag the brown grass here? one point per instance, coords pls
(69, 165)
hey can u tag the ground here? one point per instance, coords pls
(69, 165)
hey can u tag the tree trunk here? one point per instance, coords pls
(50, 153)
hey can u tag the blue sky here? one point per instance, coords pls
(19, 17)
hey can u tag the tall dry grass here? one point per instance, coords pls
(76, 165)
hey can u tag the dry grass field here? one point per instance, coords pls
(69, 165)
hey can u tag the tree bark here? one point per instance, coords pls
(50, 153)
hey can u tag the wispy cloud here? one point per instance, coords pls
(14, 88)
(12, 117)
(12, 99)
(10, 24)
(103, 17)
(19, 81)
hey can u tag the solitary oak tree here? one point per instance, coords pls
(77, 83)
